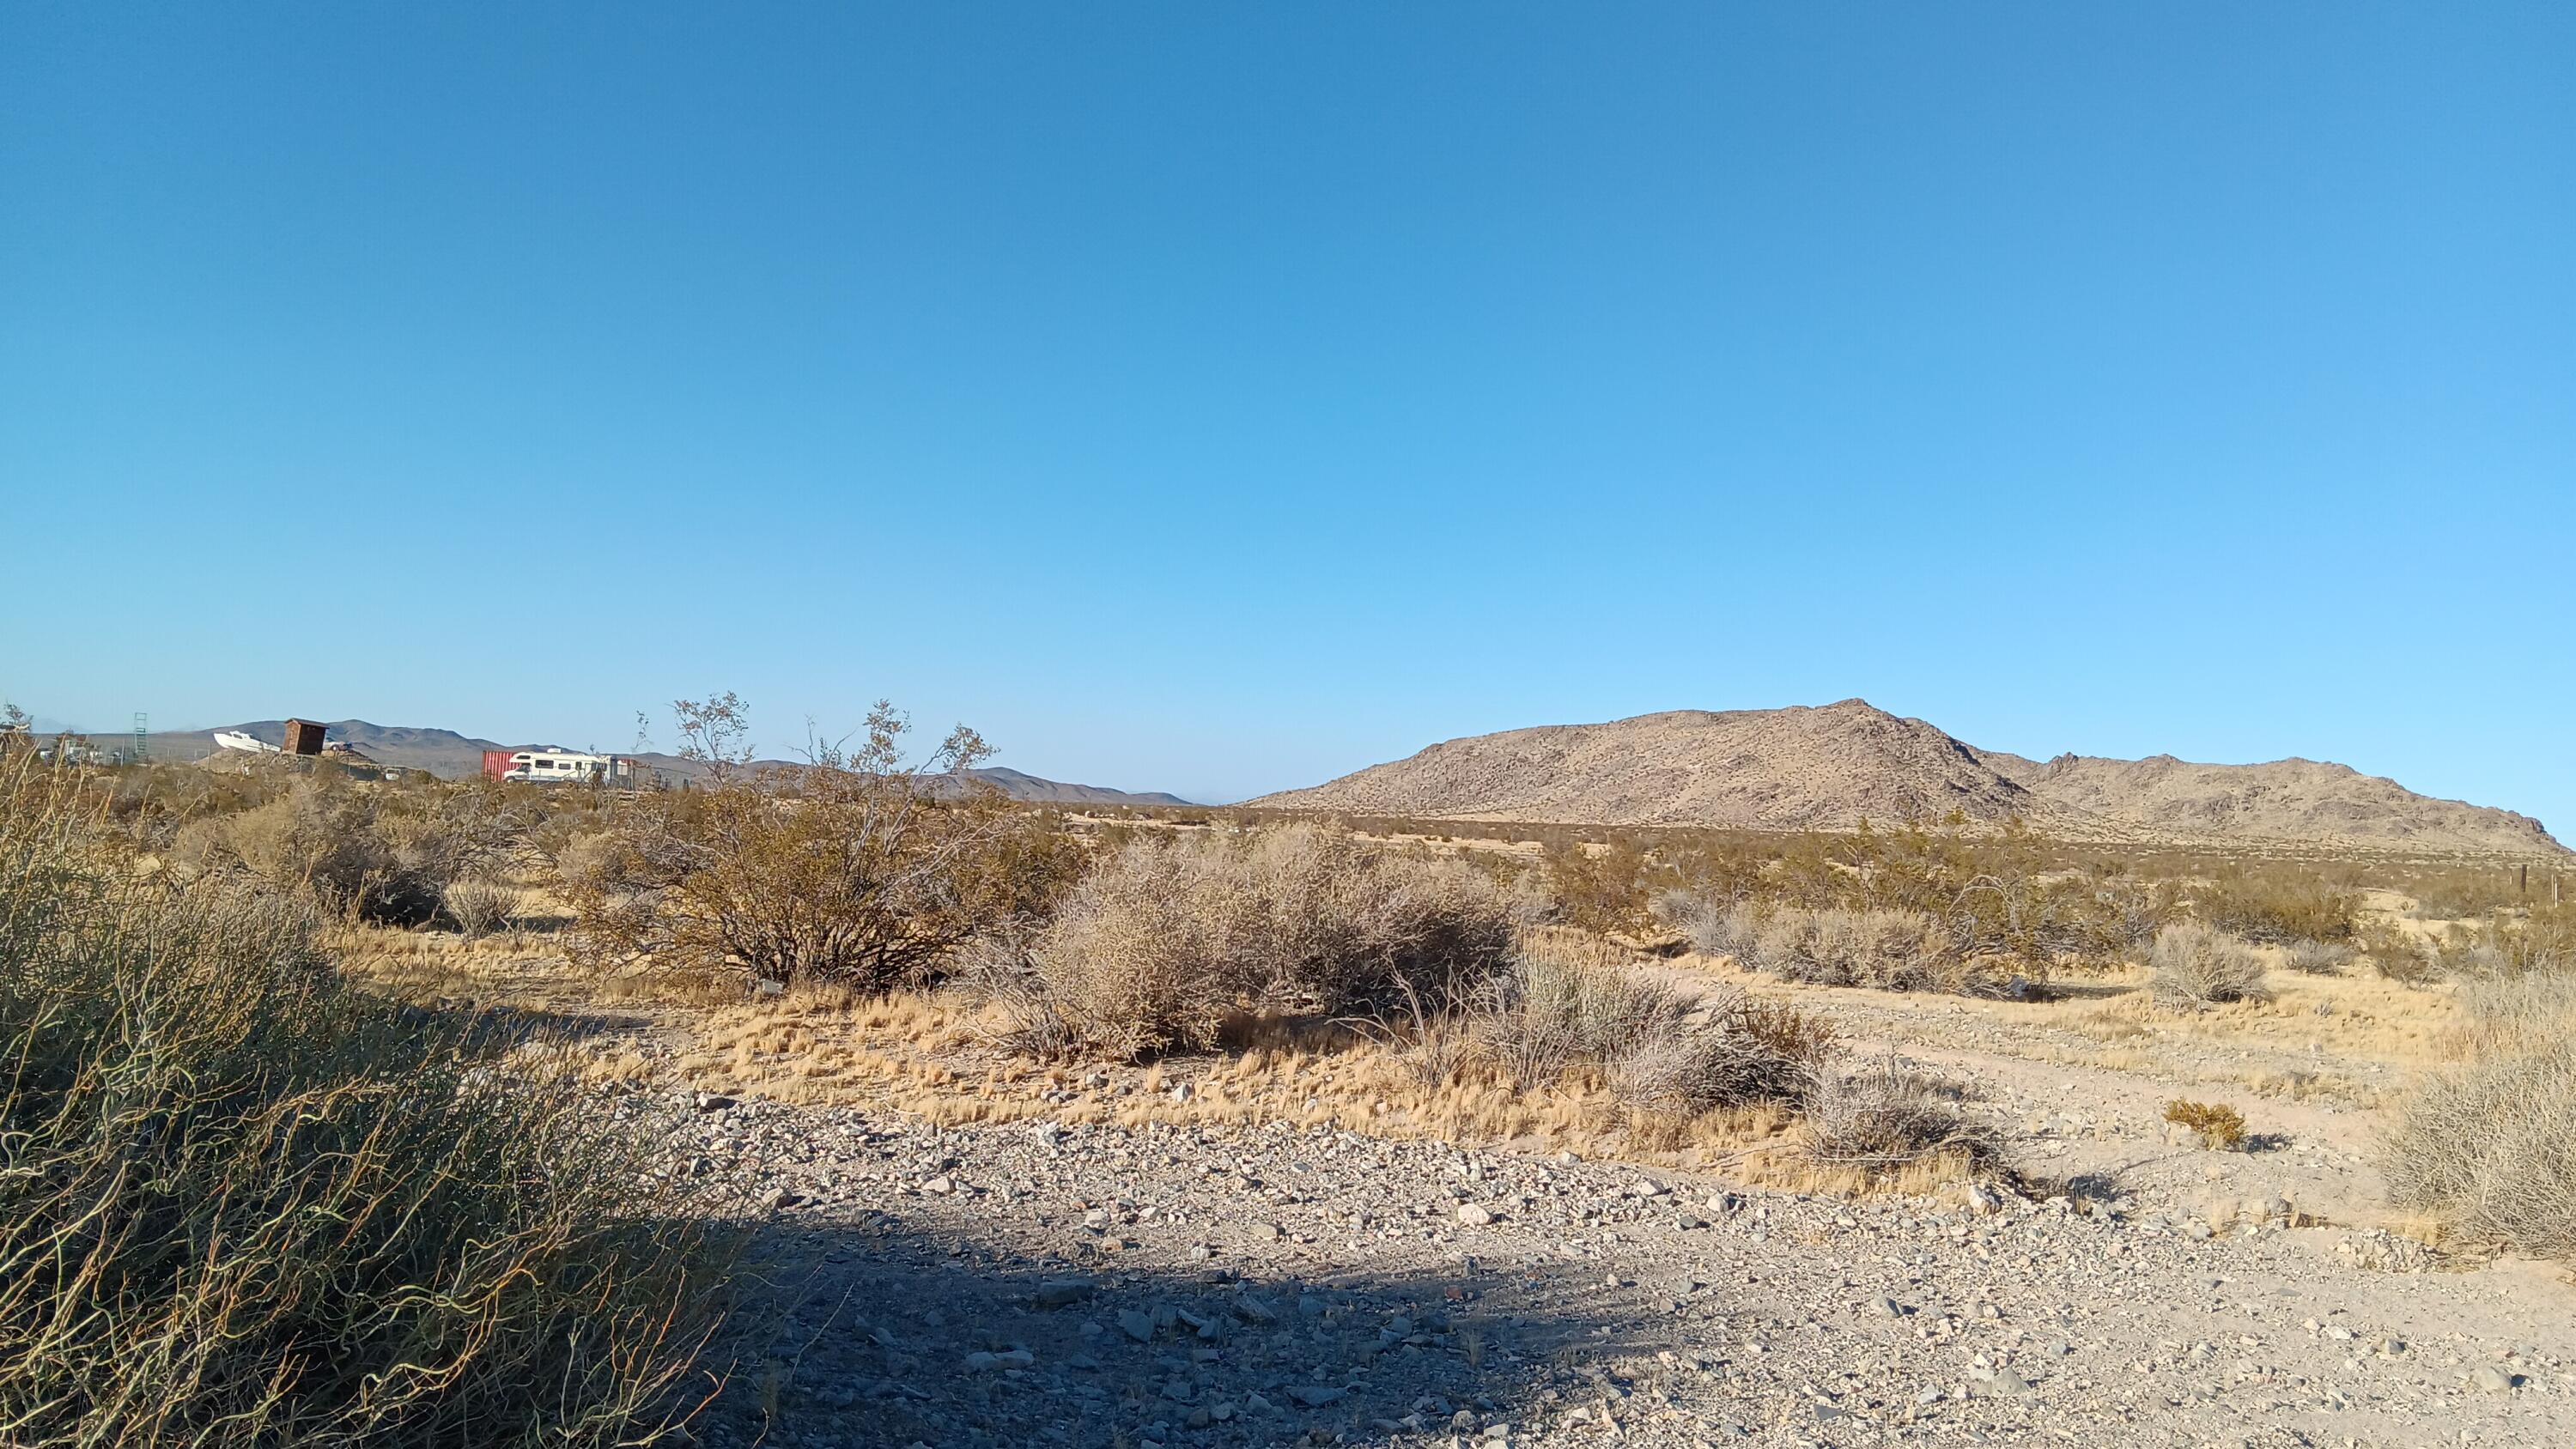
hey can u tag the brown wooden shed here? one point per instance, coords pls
(304, 737)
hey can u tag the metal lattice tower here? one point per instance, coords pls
(142, 752)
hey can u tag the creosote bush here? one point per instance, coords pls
(244, 1205)
(1167, 940)
(862, 869)
(2489, 1144)
(2197, 965)
(2278, 905)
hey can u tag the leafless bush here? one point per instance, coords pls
(999, 971)
(2318, 958)
(2489, 1144)
(2197, 965)
(479, 906)
(1886, 1114)
(1166, 940)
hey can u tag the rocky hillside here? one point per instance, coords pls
(1827, 767)
(2285, 799)
(1782, 769)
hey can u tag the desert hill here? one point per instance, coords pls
(450, 755)
(1829, 766)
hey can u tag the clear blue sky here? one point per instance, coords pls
(1216, 398)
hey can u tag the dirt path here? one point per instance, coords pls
(1103, 1285)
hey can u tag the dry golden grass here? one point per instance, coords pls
(2352, 1039)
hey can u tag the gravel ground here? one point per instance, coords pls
(1095, 1285)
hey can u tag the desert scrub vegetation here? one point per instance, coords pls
(1885, 1115)
(2318, 958)
(2194, 965)
(480, 906)
(1168, 940)
(1601, 890)
(244, 1205)
(2277, 905)
(1888, 950)
(1559, 1005)
(2214, 1125)
(375, 854)
(1916, 909)
(2488, 1144)
(862, 868)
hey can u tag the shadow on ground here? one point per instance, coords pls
(869, 1331)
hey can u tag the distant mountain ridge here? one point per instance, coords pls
(450, 755)
(1829, 766)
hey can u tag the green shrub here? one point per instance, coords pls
(2398, 955)
(2279, 905)
(243, 1205)
(1600, 890)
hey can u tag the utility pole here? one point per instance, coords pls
(142, 751)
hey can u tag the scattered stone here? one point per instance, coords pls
(1058, 1292)
(1315, 1396)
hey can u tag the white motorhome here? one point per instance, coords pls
(568, 766)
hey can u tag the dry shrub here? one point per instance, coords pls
(1562, 1004)
(246, 1206)
(2318, 958)
(1714, 926)
(2398, 956)
(2217, 1124)
(1168, 939)
(2501, 945)
(859, 870)
(479, 906)
(376, 854)
(2278, 904)
(1889, 950)
(1887, 1115)
(1602, 890)
(2489, 1145)
(2197, 965)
